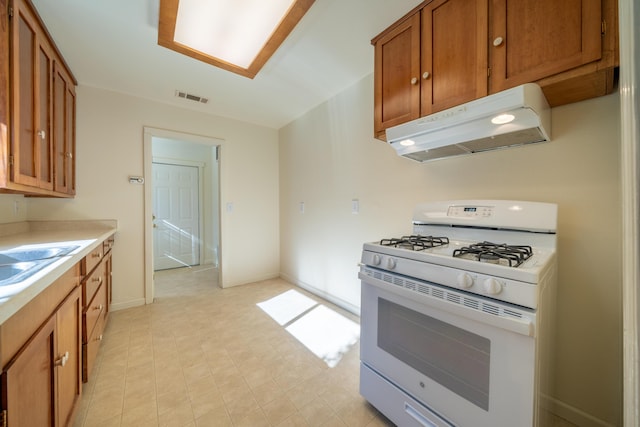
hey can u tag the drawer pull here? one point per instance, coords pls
(97, 279)
(96, 255)
(63, 360)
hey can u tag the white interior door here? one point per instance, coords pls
(176, 233)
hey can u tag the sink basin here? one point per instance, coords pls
(18, 264)
(32, 254)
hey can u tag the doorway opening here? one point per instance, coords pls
(182, 204)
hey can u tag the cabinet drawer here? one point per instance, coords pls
(90, 348)
(92, 312)
(91, 283)
(89, 262)
(107, 245)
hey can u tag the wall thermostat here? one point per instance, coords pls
(136, 180)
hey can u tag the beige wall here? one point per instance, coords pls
(328, 157)
(110, 149)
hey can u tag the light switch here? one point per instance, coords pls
(355, 206)
(301, 207)
(229, 207)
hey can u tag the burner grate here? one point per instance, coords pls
(415, 242)
(513, 255)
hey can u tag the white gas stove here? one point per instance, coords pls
(441, 306)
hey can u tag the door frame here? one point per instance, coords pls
(149, 134)
(200, 166)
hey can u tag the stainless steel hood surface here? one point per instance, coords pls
(468, 128)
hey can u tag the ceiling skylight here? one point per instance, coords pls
(236, 35)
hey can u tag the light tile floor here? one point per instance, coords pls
(204, 356)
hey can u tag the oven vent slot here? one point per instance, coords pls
(388, 278)
(512, 313)
(410, 285)
(491, 309)
(453, 298)
(438, 293)
(423, 289)
(471, 303)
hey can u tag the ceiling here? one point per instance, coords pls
(112, 44)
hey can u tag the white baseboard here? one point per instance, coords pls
(571, 414)
(332, 299)
(127, 304)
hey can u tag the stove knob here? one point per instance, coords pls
(391, 263)
(464, 280)
(492, 286)
(376, 259)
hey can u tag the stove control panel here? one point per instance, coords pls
(470, 211)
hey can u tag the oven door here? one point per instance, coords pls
(429, 362)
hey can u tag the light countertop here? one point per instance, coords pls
(86, 234)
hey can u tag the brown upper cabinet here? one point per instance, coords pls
(447, 52)
(39, 146)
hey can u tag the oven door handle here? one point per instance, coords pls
(432, 420)
(520, 326)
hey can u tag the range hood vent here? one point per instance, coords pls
(471, 128)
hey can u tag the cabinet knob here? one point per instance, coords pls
(63, 360)
(99, 337)
(498, 41)
(426, 75)
(69, 155)
(98, 307)
(42, 134)
(414, 81)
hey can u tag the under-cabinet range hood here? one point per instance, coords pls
(513, 117)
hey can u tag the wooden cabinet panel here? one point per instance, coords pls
(454, 53)
(90, 262)
(397, 72)
(37, 107)
(29, 381)
(41, 383)
(91, 347)
(96, 290)
(64, 100)
(541, 38)
(69, 374)
(93, 310)
(92, 282)
(32, 147)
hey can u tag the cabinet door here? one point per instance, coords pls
(64, 130)
(29, 381)
(533, 39)
(69, 370)
(397, 75)
(454, 53)
(32, 144)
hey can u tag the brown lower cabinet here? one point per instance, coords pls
(96, 269)
(41, 384)
(48, 348)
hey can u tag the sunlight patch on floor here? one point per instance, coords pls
(327, 334)
(287, 306)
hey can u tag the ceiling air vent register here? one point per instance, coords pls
(191, 97)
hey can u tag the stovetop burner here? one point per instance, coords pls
(415, 242)
(513, 255)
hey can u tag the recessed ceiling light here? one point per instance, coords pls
(238, 36)
(407, 142)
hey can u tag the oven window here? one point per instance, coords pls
(455, 358)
